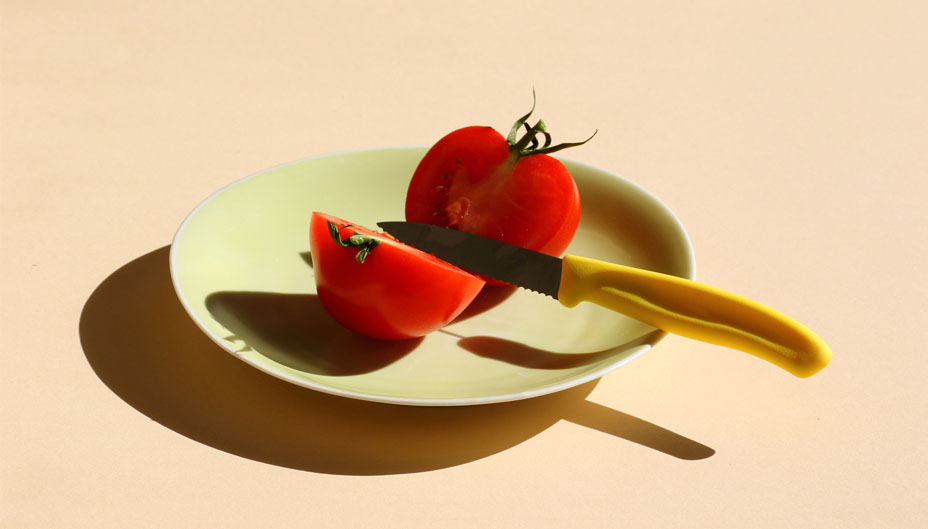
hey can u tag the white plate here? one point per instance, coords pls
(240, 264)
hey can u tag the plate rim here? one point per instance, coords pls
(635, 352)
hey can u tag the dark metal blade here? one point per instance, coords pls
(479, 255)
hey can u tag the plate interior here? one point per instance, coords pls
(242, 268)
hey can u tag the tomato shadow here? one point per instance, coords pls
(295, 330)
(143, 346)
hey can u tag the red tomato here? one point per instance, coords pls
(477, 181)
(382, 288)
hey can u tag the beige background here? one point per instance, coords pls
(789, 137)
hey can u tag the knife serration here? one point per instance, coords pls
(480, 255)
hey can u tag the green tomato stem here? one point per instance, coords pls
(363, 243)
(528, 144)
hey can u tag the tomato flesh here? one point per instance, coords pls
(470, 181)
(398, 292)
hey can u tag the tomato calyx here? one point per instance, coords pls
(528, 144)
(364, 243)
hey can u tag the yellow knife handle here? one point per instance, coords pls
(694, 310)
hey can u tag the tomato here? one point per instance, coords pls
(477, 181)
(382, 288)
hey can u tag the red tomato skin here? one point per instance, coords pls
(470, 181)
(398, 292)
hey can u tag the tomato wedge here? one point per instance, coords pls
(380, 287)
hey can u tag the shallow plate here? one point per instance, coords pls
(242, 269)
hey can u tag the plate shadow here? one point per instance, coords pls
(141, 343)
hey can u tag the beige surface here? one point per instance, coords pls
(789, 137)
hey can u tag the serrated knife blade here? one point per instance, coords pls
(479, 255)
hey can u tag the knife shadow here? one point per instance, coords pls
(523, 355)
(144, 347)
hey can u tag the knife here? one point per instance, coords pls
(670, 303)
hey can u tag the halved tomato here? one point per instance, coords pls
(382, 288)
(509, 189)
